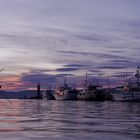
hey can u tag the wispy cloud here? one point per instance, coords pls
(73, 36)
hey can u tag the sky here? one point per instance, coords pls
(43, 40)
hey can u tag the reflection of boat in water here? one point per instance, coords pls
(132, 90)
(48, 94)
(66, 93)
(94, 93)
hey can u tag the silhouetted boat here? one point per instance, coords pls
(66, 93)
(94, 93)
(48, 94)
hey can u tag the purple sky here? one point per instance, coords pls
(40, 38)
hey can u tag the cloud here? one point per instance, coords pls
(46, 80)
(123, 74)
(75, 65)
(66, 69)
(111, 67)
(46, 37)
(96, 55)
(31, 80)
(94, 38)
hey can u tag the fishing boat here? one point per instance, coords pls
(132, 89)
(48, 94)
(131, 97)
(131, 93)
(66, 93)
(94, 93)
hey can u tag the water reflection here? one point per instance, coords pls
(37, 119)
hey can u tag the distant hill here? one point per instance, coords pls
(27, 94)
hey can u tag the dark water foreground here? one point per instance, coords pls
(69, 120)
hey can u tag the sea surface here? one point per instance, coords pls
(68, 120)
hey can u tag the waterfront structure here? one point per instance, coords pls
(39, 96)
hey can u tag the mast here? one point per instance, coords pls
(65, 80)
(138, 78)
(126, 76)
(108, 82)
(86, 80)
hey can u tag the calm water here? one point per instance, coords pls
(71, 120)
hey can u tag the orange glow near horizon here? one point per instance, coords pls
(31, 88)
(10, 82)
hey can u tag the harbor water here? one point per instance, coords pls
(69, 120)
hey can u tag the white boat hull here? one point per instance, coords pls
(66, 96)
(131, 97)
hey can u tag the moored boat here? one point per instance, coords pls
(131, 97)
(94, 93)
(66, 93)
(48, 94)
(132, 90)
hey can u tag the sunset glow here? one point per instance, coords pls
(41, 40)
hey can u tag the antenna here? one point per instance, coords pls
(126, 76)
(86, 79)
(108, 81)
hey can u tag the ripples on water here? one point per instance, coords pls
(41, 120)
